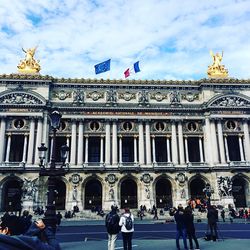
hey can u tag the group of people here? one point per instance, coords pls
(115, 223)
(18, 233)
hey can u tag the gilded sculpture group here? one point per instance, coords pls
(29, 65)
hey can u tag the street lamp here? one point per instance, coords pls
(52, 172)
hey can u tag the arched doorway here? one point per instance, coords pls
(11, 195)
(129, 194)
(239, 186)
(163, 190)
(196, 188)
(60, 194)
(93, 194)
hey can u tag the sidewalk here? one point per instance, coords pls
(228, 244)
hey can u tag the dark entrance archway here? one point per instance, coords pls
(163, 190)
(239, 192)
(11, 196)
(197, 186)
(93, 194)
(60, 194)
(129, 194)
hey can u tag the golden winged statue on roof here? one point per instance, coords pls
(29, 65)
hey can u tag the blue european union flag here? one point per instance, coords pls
(102, 67)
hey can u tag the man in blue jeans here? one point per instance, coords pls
(180, 227)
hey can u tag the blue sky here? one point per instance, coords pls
(170, 38)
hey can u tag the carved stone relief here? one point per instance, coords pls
(127, 96)
(158, 96)
(95, 96)
(225, 185)
(20, 98)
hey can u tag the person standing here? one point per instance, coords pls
(180, 227)
(222, 214)
(212, 216)
(113, 228)
(127, 224)
(189, 221)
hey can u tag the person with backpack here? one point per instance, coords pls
(127, 224)
(113, 228)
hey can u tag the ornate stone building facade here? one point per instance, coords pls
(131, 142)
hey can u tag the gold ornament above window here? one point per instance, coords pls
(29, 65)
(217, 70)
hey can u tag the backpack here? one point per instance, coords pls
(128, 222)
(110, 221)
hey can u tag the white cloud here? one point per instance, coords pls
(170, 38)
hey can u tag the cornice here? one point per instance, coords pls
(204, 81)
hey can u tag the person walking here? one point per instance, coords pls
(180, 227)
(212, 216)
(112, 224)
(127, 224)
(189, 222)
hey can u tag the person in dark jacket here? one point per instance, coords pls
(212, 217)
(189, 221)
(180, 227)
(113, 228)
(31, 240)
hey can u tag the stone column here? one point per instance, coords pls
(2, 139)
(181, 145)
(31, 142)
(114, 143)
(86, 149)
(120, 149)
(186, 149)
(25, 148)
(207, 142)
(135, 149)
(68, 142)
(221, 142)
(174, 144)
(101, 149)
(80, 144)
(107, 144)
(214, 142)
(38, 139)
(141, 145)
(148, 145)
(168, 150)
(226, 147)
(246, 140)
(153, 147)
(45, 128)
(201, 149)
(73, 144)
(8, 148)
(241, 148)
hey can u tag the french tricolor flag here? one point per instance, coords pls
(134, 69)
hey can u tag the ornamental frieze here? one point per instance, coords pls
(158, 96)
(190, 97)
(95, 96)
(20, 98)
(127, 96)
(62, 95)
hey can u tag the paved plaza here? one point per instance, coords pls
(228, 244)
